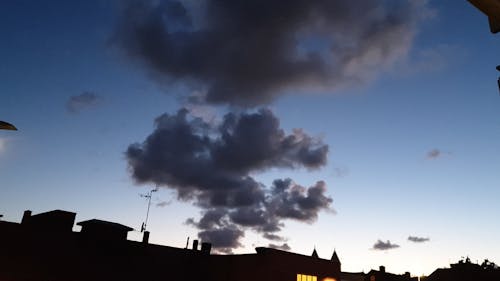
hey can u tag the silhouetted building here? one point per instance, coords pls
(352, 276)
(104, 230)
(54, 221)
(382, 275)
(465, 270)
(44, 247)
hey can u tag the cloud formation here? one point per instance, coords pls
(417, 239)
(383, 246)
(248, 52)
(283, 246)
(212, 165)
(86, 100)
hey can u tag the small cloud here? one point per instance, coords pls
(383, 246)
(163, 204)
(436, 153)
(340, 172)
(433, 154)
(283, 247)
(417, 239)
(86, 100)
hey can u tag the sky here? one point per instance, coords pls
(365, 127)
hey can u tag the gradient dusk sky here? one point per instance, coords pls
(385, 115)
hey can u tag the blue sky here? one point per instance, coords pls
(441, 95)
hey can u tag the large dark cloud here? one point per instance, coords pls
(247, 52)
(382, 246)
(213, 166)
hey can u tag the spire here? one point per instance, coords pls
(314, 254)
(335, 258)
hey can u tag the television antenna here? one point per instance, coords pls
(148, 197)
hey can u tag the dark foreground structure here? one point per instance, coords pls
(382, 275)
(45, 247)
(465, 270)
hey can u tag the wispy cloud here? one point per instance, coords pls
(283, 247)
(417, 239)
(383, 246)
(340, 172)
(433, 154)
(436, 153)
(86, 100)
(163, 204)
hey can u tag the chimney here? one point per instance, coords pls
(382, 269)
(407, 275)
(206, 248)
(145, 237)
(195, 245)
(26, 217)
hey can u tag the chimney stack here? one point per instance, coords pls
(195, 245)
(382, 269)
(206, 248)
(145, 237)
(26, 217)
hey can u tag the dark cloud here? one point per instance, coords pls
(417, 239)
(382, 246)
(223, 239)
(248, 52)
(213, 165)
(283, 246)
(86, 100)
(434, 153)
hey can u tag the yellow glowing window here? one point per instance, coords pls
(305, 277)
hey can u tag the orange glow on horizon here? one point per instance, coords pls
(329, 279)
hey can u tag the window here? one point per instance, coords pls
(305, 277)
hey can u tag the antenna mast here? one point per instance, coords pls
(148, 196)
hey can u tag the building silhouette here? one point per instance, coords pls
(382, 275)
(465, 270)
(45, 247)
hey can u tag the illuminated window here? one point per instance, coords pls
(329, 279)
(305, 277)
